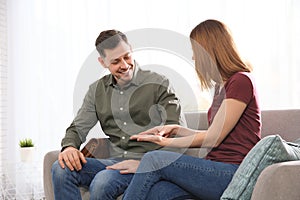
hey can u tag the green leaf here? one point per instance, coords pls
(26, 143)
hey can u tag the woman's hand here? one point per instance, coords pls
(164, 131)
(158, 134)
(158, 139)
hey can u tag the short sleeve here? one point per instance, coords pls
(239, 87)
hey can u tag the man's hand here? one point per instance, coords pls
(72, 157)
(126, 166)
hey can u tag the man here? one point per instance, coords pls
(127, 101)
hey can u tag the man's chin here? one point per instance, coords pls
(124, 80)
(127, 77)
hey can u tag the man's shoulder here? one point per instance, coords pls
(148, 75)
(101, 80)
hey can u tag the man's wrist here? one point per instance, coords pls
(63, 148)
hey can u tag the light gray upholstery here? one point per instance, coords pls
(49, 159)
(285, 123)
(278, 181)
(282, 180)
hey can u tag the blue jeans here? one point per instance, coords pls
(181, 176)
(103, 184)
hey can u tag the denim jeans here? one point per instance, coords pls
(180, 176)
(103, 184)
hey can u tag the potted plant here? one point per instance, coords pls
(26, 150)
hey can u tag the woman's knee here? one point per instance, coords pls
(156, 160)
(154, 156)
(148, 162)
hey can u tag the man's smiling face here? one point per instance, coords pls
(120, 62)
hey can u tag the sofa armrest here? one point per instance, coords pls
(49, 159)
(278, 181)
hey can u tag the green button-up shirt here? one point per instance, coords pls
(147, 101)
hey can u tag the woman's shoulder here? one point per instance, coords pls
(242, 78)
(240, 81)
(242, 75)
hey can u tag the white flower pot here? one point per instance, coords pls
(27, 154)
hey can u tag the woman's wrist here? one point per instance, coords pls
(174, 131)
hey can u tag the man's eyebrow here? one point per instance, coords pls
(115, 59)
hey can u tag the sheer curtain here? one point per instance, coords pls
(49, 40)
(3, 85)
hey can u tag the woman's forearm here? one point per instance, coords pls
(183, 132)
(192, 140)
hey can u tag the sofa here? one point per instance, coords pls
(277, 181)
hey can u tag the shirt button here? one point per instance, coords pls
(125, 152)
(123, 138)
(121, 92)
(121, 108)
(125, 123)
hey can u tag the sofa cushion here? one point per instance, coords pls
(271, 149)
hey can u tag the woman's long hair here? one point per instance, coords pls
(215, 53)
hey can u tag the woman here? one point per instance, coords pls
(234, 127)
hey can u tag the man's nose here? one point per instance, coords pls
(123, 63)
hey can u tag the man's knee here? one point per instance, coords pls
(60, 174)
(57, 170)
(109, 184)
(103, 180)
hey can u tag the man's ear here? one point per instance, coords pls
(102, 62)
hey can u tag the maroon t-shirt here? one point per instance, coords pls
(246, 133)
